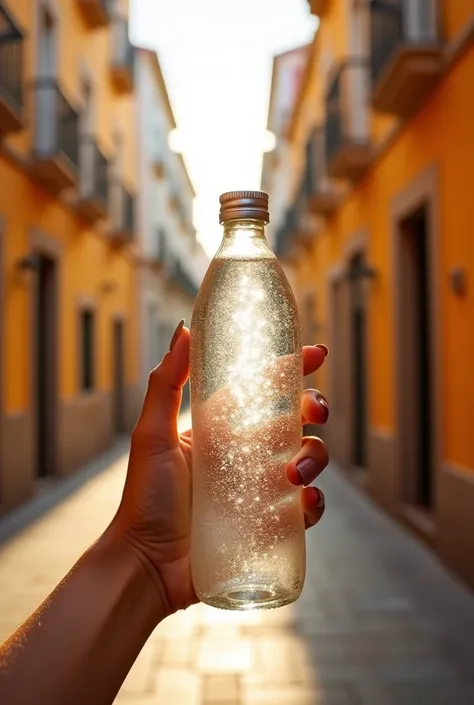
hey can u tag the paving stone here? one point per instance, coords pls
(380, 621)
(177, 685)
(296, 695)
(450, 693)
(284, 660)
(179, 652)
(413, 668)
(221, 690)
(140, 679)
(221, 656)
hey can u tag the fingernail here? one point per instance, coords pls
(321, 500)
(307, 470)
(176, 334)
(323, 348)
(323, 402)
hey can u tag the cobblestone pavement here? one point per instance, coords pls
(380, 621)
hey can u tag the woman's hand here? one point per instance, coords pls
(154, 518)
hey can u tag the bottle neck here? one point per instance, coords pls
(244, 239)
(244, 229)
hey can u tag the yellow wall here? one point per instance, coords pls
(455, 14)
(87, 259)
(79, 46)
(440, 134)
(87, 263)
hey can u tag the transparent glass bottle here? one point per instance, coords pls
(248, 546)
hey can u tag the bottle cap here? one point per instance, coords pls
(242, 205)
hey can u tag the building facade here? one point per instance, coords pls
(68, 305)
(169, 255)
(376, 230)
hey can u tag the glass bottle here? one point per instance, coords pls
(248, 545)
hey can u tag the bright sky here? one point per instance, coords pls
(216, 58)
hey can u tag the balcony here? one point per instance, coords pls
(348, 152)
(11, 75)
(160, 255)
(55, 156)
(286, 247)
(123, 214)
(94, 182)
(181, 279)
(302, 232)
(322, 198)
(123, 56)
(406, 55)
(96, 13)
(319, 7)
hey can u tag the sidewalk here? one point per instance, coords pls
(380, 621)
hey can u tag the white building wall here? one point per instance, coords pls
(162, 303)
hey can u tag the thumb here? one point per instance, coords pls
(157, 427)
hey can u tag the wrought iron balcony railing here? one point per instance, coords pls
(320, 190)
(386, 34)
(94, 180)
(348, 152)
(55, 154)
(122, 61)
(57, 122)
(122, 209)
(11, 73)
(406, 53)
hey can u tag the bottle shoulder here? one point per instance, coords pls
(239, 282)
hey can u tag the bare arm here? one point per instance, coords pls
(78, 647)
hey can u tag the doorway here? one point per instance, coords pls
(358, 327)
(45, 366)
(416, 363)
(118, 377)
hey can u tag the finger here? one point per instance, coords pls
(313, 503)
(313, 358)
(308, 463)
(314, 407)
(158, 422)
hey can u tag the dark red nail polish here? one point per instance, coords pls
(323, 401)
(323, 348)
(307, 470)
(320, 498)
(176, 334)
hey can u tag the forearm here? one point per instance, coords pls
(79, 645)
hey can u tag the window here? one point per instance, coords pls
(88, 358)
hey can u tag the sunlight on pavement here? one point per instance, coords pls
(367, 629)
(198, 657)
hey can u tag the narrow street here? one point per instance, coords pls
(380, 621)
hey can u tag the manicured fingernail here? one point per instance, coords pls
(323, 348)
(307, 470)
(321, 500)
(176, 334)
(323, 402)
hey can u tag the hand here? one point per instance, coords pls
(154, 518)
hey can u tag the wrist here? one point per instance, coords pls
(116, 553)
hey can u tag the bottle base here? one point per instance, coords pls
(249, 597)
